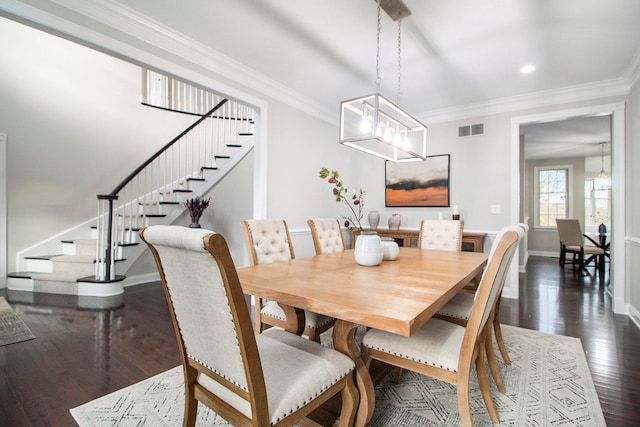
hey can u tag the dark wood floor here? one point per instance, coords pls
(83, 351)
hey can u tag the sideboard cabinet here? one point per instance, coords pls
(471, 242)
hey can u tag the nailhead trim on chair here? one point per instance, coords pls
(283, 416)
(243, 387)
(424, 362)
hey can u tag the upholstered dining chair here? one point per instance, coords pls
(267, 241)
(327, 235)
(572, 241)
(445, 350)
(442, 234)
(272, 379)
(458, 310)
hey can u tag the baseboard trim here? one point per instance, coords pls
(141, 279)
(547, 254)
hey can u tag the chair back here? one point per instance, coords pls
(570, 232)
(209, 313)
(327, 235)
(493, 280)
(441, 234)
(267, 241)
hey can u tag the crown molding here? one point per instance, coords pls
(146, 32)
(602, 89)
(632, 75)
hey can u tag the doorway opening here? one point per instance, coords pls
(617, 217)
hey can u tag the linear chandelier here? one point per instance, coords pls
(377, 126)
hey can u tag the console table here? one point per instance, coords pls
(471, 242)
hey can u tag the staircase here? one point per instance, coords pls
(190, 165)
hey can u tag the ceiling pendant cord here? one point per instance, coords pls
(378, 27)
(399, 61)
(603, 174)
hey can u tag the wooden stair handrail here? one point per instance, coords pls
(133, 174)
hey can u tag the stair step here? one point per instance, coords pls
(196, 179)
(92, 279)
(168, 203)
(128, 244)
(234, 145)
(42, 257)
(221, 157)
(209, 168)
(245, 134)
(155, 215)
(22, 274)
(180, 190)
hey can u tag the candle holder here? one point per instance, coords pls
(455, 217)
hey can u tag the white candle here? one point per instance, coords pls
(440, 216)
(455, 209)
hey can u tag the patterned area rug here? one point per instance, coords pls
(12, 328)
(548, 383)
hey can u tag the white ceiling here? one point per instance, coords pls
(454, 52)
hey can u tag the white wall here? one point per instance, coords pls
(75, 128)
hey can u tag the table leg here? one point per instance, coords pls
(344, 341)
(295, 319)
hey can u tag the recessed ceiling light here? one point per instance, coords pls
(527, 68)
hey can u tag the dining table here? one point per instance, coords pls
(397, 296)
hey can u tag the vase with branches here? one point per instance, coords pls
(354, 201)
(196, 207)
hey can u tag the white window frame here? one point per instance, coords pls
(536, 188)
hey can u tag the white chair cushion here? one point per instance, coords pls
(591, 250)
(329, 235)
(437, 343)
(459, 306)
(295, 369)
(441, 234)
(270, 241)
(312, 320)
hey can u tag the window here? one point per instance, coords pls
(552, 193)
(597, 206)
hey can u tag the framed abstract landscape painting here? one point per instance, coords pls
(418, 184)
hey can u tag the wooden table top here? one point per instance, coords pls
(397, 296)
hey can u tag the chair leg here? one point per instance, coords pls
(484, 386)
(498, 333)
(464, 407)
(491, 359)
(190, 402)
(258, 325)
(350, 398)
(312, 334)
(396, 374)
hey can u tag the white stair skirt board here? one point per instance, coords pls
(48, 283)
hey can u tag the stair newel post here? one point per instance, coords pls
(106, 249)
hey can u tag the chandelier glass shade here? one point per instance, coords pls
(375, 125)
